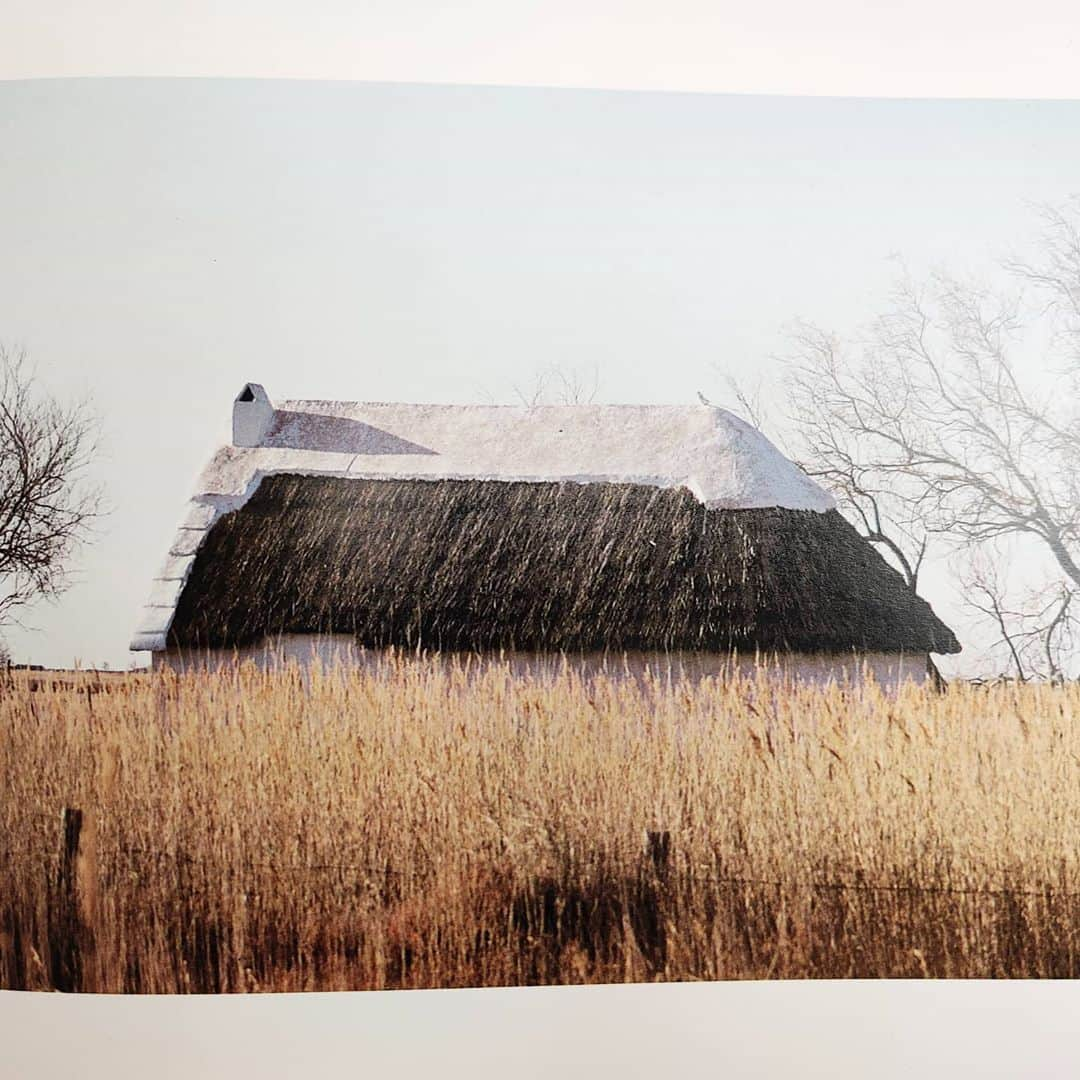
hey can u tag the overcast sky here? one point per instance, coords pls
(162, 241)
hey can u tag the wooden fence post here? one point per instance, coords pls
(653, 901)
(76, 898)
(65, 945)
(660, 852)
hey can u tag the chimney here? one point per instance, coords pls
(252, 412)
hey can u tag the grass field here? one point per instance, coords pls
(425, 827)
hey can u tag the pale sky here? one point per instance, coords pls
(166, 240)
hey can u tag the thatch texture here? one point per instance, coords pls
(478, 565)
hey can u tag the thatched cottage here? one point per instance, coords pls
(604, 533)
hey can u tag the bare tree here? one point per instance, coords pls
(46, 501)
(1036, 629)
(931, 426)
(935, 413)
(558, 385)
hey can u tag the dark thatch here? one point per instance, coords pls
(480, 565)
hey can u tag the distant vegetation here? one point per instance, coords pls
(424, 828)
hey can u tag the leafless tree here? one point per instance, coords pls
(558, 385)
(46, 500)
(931, 427)
(1037, 629)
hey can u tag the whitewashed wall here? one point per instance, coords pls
(888, 669)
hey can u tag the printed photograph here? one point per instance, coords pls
(472, 536)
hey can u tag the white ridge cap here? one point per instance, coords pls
(724, 461)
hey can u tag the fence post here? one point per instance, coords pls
(660, 852)
(76, 893)
(652, 903)
(65, 965)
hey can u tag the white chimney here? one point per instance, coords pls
(252, 412)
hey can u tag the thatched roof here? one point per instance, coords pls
(721, 460)
(484, 564)
(554, 527)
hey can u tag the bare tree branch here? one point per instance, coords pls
(558, 385)
(1037, 629)
(46, 503)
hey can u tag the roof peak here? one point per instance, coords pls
(697, 407)
(724, 460)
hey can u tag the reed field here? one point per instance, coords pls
(425, 825)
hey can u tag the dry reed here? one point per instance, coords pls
(424, 825)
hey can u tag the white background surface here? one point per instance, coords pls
(879, 1030)
(753, 1030)
(922, 48)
